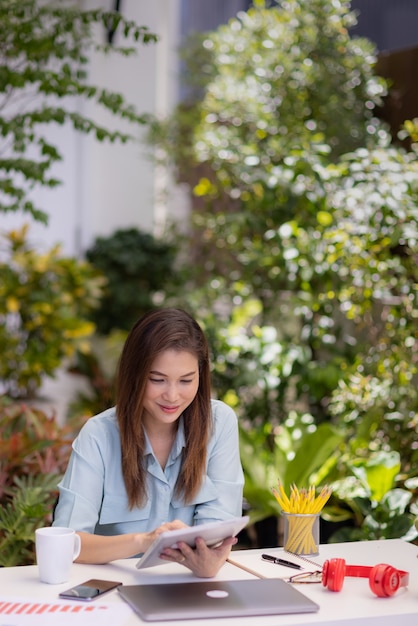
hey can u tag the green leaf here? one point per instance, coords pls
(379, 472)
(312, 454)
(396, 501)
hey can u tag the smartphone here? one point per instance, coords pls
(89, 590)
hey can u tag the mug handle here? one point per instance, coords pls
(77, 546)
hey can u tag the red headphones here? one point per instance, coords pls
(384, 580)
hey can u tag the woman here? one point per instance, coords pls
(167, 456)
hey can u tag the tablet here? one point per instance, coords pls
(211, 532)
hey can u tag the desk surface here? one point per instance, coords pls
(354, 604)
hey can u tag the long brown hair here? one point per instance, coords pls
(156, 332)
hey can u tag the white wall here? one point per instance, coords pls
(110, 186)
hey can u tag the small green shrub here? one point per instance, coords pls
(137, 267)
(45, 299)
(34, 452)
(372, 500)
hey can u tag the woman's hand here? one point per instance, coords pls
(148, 538)
(203, 561)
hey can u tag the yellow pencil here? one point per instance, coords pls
(306, 506)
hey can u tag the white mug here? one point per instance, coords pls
(56, 549)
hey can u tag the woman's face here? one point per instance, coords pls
(172, 385)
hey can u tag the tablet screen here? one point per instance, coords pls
(211, 532)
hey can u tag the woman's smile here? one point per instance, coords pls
(169, 409)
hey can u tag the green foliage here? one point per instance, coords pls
(44, 61)
(409, 131)
(98, 366)
(379, 412)
(326, 244)
(27, 508)
(45, 300)
(138, 268)
(367, 495)
(297, 452)
(34, 452)
(253, 368)
(272, 81)
(307, 232)
(273, 66)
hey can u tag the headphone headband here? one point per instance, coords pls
(364, 571)
(384, 580)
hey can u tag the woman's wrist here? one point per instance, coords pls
(139, 543)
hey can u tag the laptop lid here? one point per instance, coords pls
(214, 599)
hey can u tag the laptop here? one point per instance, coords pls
(213, 599)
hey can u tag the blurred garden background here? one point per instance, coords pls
(298, 254)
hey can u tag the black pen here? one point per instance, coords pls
(275, 559)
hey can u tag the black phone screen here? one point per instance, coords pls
(90, 589)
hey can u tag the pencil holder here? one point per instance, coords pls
(301, 533)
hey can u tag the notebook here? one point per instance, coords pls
(214, 599)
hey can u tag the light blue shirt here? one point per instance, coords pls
(92, 492)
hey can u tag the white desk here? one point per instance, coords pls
(354, 605)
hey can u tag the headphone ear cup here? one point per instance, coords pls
(333, 573)
(384, 580)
